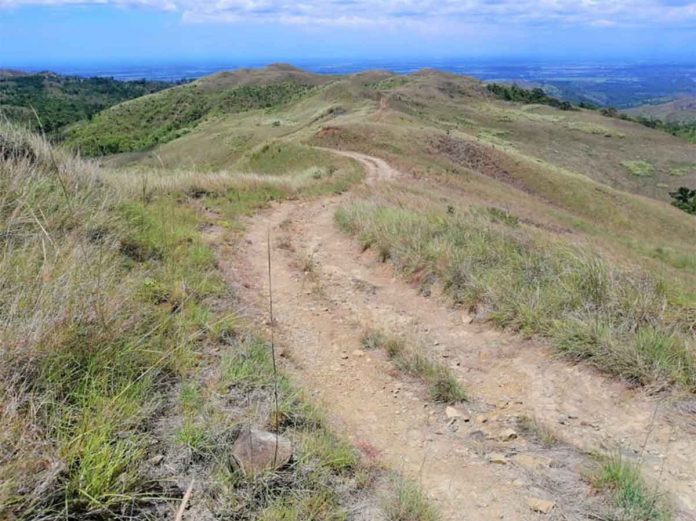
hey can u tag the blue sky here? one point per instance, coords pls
(36, 32)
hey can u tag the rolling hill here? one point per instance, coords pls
(215, 120)
(147, 121)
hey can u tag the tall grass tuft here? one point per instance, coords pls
(632, 496)
(86, 348)
(408, 503)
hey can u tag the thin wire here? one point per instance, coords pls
(273, 352)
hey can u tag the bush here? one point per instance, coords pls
(515, 93)
(684, 199)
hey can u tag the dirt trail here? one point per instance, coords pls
(326, 292)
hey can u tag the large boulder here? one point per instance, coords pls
(255, 452)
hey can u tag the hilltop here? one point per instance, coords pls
(147, 121)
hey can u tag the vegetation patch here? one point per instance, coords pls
(87, 345)
(639, 168)
(593, 128)
(537, 95)
(685, 199)
(150, 120)
(408, 503)
(683, 170)
(443, 385)
(635, 500)
(683, 129)
(62, 100)
(278, 158)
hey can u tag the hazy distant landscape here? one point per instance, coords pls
(621, 85)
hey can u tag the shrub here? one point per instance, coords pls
(685, 199)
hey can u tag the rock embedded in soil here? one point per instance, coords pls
(453, 412)
(497, 457)
(507, 435)
(255, 452)
(542, 506)
(156, 459)
(533, 462)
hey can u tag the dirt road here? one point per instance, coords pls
(327, 293)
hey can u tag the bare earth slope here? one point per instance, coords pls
(326, 293)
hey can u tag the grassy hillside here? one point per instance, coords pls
(581, 141)
(162, 117)
(127, 372)
(62, 100)
(604, 179)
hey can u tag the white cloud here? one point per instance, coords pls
(601, 13)
(164, 5)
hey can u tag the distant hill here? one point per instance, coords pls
(150, 120)
(62, 100)
(11, 73)
(682, 110)
(220, 119)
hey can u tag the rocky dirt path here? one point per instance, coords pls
(327, 293)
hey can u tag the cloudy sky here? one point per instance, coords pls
(54, 31)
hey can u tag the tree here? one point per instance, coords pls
(685, 199)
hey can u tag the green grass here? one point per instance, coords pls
(158, 118)
(88, 350)
(635, 500)
(639, 168)
(442, 383)
(621, 321)
(279, 157)
(408, 503)
(683, 169)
